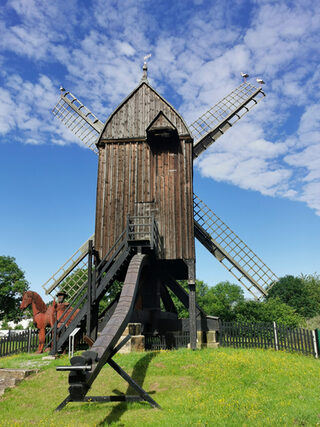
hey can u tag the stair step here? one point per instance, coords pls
(10, 378)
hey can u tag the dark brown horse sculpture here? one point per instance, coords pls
(43, 316)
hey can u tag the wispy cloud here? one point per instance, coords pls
(198, 53)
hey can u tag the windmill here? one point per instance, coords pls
(146, 219)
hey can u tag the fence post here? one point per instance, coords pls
(315, 346)
(275, 336)
(29, 341)
(317, 332)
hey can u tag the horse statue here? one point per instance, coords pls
(43, 316)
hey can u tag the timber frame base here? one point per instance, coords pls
(142, 394)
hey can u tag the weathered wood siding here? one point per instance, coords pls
(124, 188)
(139, 177)
(134, 115)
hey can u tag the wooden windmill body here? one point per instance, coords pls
(146, 169)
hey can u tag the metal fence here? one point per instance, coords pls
(268, 335)
(168, 341)
(18, 342)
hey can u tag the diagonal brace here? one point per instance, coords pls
(142, 394)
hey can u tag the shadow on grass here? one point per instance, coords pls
(138, 375)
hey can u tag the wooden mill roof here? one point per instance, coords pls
(134, 115)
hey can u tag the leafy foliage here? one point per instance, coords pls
(298, 294)
(216, 301)
(312, 284)
(111, 295)
(226, 300)
(271, 310)
(201, 290)
(221, 300)
(12, 286)
(290, 301)
(74, 281)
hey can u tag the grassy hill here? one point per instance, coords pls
(223, 387)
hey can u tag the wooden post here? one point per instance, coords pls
(275, 336)
(315, 347)
(89, 298)
(29, 341)
(192, 304)
(192, 315)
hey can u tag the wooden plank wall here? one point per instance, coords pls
(138, 177)
(172, 189)
(135, 180)
(124, 186)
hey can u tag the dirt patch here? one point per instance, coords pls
(157, 388)
(34, 364)
(160, 365)
(188, 367)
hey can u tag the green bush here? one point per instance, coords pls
(271, 310)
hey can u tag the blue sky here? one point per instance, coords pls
(262, 177)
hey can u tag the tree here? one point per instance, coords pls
(312, 283)
(216, 301)
(78, 278)
(74, 281)
(294, 292)
(271, 310)
(12, 286)
(201, 291)
(220, 300)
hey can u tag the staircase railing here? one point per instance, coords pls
(143, 231)
(140, 231)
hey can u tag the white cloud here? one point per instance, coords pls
(99, 55)
(7, 112)
(247, 162)
(311, 196)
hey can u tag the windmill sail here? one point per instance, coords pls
(231, 251)
(81, 121)
(210, 230)
(79, 260)
(216, 121)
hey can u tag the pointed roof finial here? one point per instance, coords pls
(145, 68)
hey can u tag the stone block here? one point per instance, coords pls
(211, 336)
(126, 348)
(212, 345)
(134, 328)
(137, 343)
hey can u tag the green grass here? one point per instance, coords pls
(30, 361)
(223, 387)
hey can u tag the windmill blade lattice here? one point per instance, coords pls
(59, 280)
(216, 121)
(231, 251)
(217, 237)
(79, 119)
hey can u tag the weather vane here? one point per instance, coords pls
(145, 58)
(145, 67)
